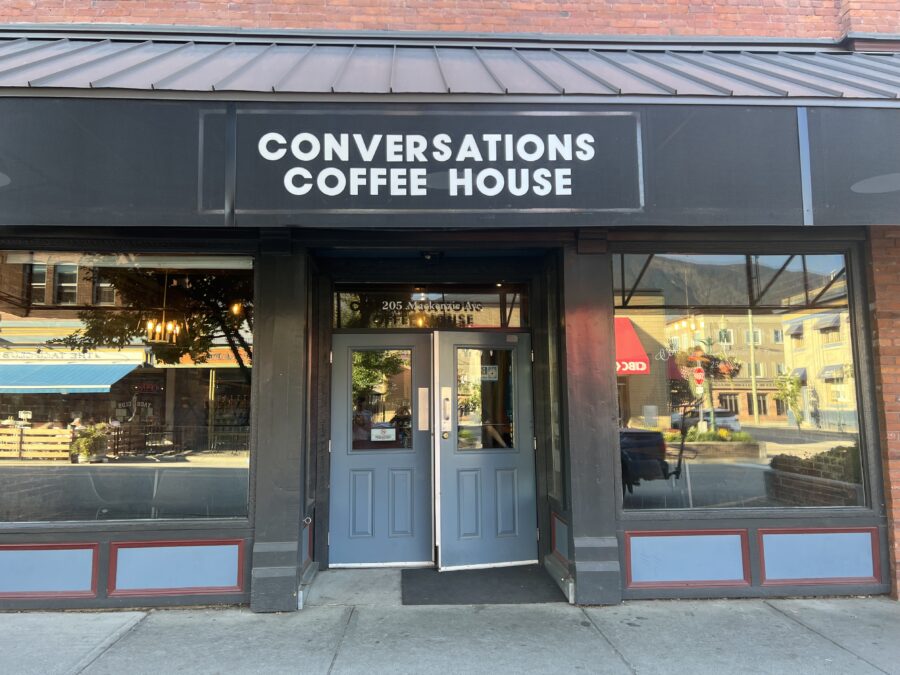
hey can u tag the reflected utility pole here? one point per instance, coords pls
(755, 402)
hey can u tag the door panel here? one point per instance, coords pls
(380, 459)
(486, 497)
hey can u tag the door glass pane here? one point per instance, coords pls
(401, 306)
(381, 416)
(484, 398)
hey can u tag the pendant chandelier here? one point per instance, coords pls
(161, 330)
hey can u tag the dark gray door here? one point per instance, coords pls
(381, 495)
(486, 498)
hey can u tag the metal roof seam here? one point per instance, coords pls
(681, 73)
(440, 66)
(171, 77)
(634, 73)
(842, 68)
(342, 69)
(807, 71)
(779, 76)
(559, 88)
(243, 68)
(584, 71)
(48, 59)
(887, 68)
(29, 50)
(393, 70)
(159, 56)
(290, 71)
(735, 76)
(494, 77)
(41, 81)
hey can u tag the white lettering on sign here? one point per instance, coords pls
(361, 150)
(632, 367)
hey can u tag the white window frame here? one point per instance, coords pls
(58, 285)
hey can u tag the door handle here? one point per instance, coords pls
(424, 412)
(445, 410)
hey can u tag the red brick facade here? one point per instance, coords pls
(885, 277)
(763, 18)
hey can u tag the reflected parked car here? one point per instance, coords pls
(643, 454)
(724, 418)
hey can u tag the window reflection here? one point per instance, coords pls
(382, 394)
(738, 389)
(101, 417)
(396, 306)
(484, 398)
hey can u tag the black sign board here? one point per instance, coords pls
(355, 161)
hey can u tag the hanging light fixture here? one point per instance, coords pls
(161, 330)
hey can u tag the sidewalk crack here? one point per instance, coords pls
(107, 644)
(823, 636)
(618, 652)
(340, 642)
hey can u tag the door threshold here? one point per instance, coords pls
(485, 566)
(425, 563)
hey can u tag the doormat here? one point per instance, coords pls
(495, 586)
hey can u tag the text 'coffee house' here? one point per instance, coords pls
(270, 306)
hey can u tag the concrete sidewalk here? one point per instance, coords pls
(354, 623)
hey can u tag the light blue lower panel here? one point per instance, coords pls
(818, 555)
(176, 567)
(669, 559)
(46, 570)
(561, 537)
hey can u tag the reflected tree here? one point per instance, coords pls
(788, 390)
(209, 307)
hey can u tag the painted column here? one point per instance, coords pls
(591, 417)
(279, 374)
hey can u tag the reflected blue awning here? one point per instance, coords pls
(800, 374)
(61, 378)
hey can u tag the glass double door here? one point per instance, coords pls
(432, 457)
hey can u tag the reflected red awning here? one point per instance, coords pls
(631, 358)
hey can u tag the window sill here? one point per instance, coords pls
(89, 526)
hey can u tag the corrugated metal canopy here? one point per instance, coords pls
(183, 64)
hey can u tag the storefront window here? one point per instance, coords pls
(134, 404)
(707, 421)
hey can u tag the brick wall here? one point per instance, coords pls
(885, 281)
(870, 16)
(773, 18)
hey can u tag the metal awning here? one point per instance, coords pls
(834, 372)
(61, 378)
(828, 321)
(795, 328)
(198, 63)
(800, 374)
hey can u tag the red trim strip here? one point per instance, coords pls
(745, 559)
(114, 547)
(876, 557)
(28, 595)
